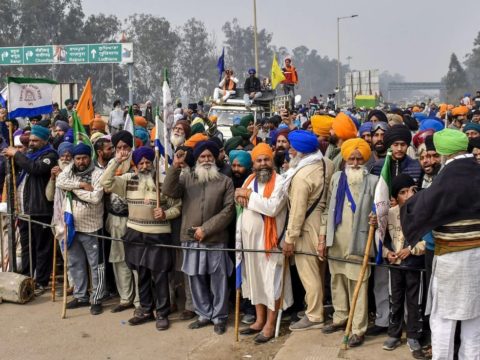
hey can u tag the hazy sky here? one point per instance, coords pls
(412, 38)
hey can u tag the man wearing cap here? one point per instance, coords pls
(35, 168)
(251, 88)
(260, 226)
(82, 179)
(306, 183)
(350, 199)
(208, 208)
(148, 224)
(454, 216)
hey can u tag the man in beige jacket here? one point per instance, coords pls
(307, 185)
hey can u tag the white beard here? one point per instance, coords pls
(146, 183)
(293, 163)
(355, 176)
(177, 140)
(206, 172)
(63, 164)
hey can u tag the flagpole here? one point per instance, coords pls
(255, 34)
(65, 272)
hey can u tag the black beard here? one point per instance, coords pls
(333, 139)
(280, 148)
(239, 180)
(379, 148)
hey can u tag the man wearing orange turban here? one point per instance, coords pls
(344, 127)
(195, 139)
(347, 217)
(321, 125)
(97, 125)
(140, 121)
(262, 149)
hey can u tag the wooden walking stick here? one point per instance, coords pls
(358, 286)
(237, 312)
(282, 294)
(65, 273)
(54, 270)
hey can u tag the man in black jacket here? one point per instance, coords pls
(34, 168)
(251, 88)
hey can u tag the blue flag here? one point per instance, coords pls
(221, 64)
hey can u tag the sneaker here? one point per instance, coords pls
(413, 344)
(140, 317)
(96, 309)
(40, 290)
(376, 330)
(75, 303)
(391, 343)
(248, 319)
(305, 324)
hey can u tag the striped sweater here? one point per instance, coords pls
(457, 236)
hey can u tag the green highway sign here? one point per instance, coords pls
(117, 53)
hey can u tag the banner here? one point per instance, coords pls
(29, 97)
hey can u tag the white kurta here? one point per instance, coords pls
(262, 275)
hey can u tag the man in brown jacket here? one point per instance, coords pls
(208, 208)
(307, 185)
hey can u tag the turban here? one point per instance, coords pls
(397, 133)
(198, 120)
(236, 120)
(349, 146)
(419, 137)
(140, 121)
(321, 125)
(213, 118)
(193, 107)
(124, 136)
(380, 115)
(246, 120)
(243, 158)
(306, 124)
(143, 152)
(429, 145)
(238, 130)
(82, 149)
(197, 128)
(283, 131)
(420, 116)
(473, 143)
(205, 145)
(217, 141)
(63, 125)
(233, 143)
(195, 139)
(303, 141)
(411, 123)
(68, 101)
(17, 141)
(449, 141)
(189, 159)
(471, 126)
(394, 119)
(344, 127)
(98, 123)
(432, 123)
(460, 111)
(40, 132)
(262, 149)
(69, 136)
(400, 182)
(252, 71)
(353, 118)
(416, 109)
(365, 127)
(442, 109)
(186, 127)
(142, 134)
(96, 136)
(45, 123)
(65, 147)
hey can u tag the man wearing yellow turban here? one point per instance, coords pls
(321, 125)
(350, 199)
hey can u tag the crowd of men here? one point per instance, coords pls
(287, 184)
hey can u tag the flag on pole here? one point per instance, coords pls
(277, 73)
(28, 96)
(382, 204)
(238, 246)
(68, 219)
(4, 97)
(129, 126)
(168, 118)
(221, 64)
(85, 104)
(79, 133)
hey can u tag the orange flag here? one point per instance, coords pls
(85, 104)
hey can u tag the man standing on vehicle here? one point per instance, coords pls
(291, 77)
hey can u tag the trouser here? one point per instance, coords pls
(153, 287)
(126, 284)
(312, 274)
(406, 284)
(342, 295)
(188, 293)
(42, 249)
(248, 101)
(380, 290)
(443, 334)
(210, 296)
(289, 89)
(84, 249)
(429, 254)
(224, 93)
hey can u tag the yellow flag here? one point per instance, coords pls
(277, 73)
(85, 104)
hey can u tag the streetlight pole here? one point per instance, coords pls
(255, 33)
(339, 99)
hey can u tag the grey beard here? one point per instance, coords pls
(145, 182)
(264, 175)
(177, 140)
(293, 163)
(63, 164)
(355, 176)
(206, 172)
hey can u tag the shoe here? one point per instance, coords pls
(305, 324)
(413, 344)
(331, 328)
(220, 328)
(262, 339)
(356, 340)
(39, 290)
(248, 319)
(75, 303)
(376, 330)
(187, 315)
(421, 354)
(199, 324)
(162, 323)
(121, 307)
(249, 331)
(96, 309)
(140, 317)
(391, 344)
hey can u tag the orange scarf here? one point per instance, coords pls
(270, 224)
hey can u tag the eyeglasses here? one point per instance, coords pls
(379, 125)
